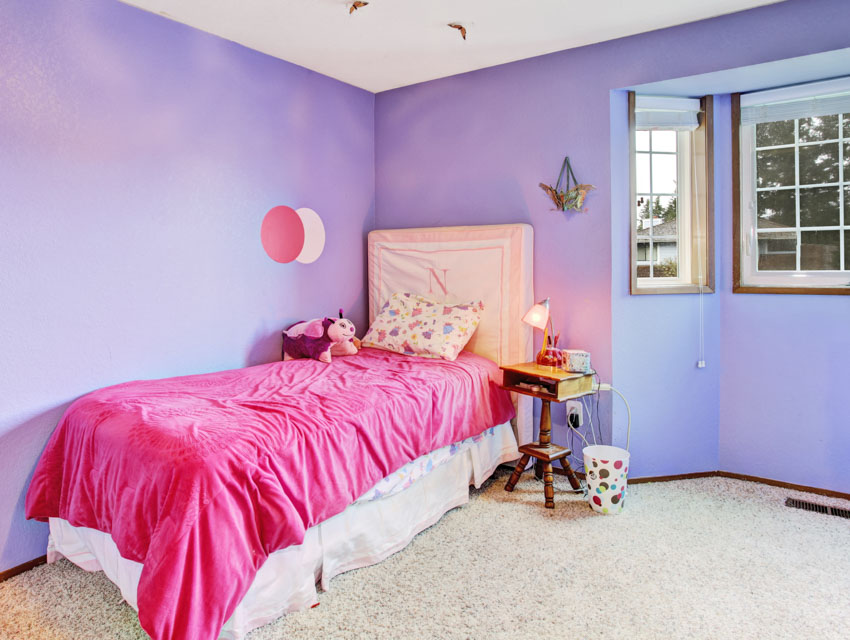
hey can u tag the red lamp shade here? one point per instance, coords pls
(538, 315)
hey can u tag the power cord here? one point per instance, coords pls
(607, 387)
(574, 430)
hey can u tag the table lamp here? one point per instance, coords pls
(538, 316)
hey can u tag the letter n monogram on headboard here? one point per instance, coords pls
(433, 275)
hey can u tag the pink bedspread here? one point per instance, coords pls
(202, 477)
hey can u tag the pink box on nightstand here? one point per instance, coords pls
(576, 361)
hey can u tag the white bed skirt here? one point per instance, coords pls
(364, 534)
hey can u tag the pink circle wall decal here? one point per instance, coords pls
(282, 234)
(314, 236)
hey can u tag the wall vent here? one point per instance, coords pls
(818, 508)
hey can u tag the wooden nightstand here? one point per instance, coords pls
(550, 384)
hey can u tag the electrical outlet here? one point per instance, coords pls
(575, 414)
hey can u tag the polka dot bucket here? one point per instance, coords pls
(606, 469)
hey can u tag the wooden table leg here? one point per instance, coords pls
(520, 467)
(571, 476)
(548, 489)
(545, 436)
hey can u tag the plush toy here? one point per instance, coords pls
(320, 339)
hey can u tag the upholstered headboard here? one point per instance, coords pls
(492, 263)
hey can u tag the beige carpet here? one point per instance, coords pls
(710, 558)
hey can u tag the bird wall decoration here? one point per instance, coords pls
(356, 5)
(564, 196)
(460, 28)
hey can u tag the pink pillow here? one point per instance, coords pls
(416, 326)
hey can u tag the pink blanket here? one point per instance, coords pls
(202, 477)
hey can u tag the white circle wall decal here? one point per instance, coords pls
(314, 235)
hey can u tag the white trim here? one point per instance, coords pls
(684, 215)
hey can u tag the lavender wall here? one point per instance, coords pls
(137, 160)
(472, 148)
(138, 157)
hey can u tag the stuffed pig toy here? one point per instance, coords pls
(320, 339)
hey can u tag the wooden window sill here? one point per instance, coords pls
(823, 291)
(679, 288)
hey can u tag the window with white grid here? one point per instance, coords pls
(662, 172)
(795, 195)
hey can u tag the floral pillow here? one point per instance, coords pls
(416, 326)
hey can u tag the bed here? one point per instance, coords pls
(216, 502)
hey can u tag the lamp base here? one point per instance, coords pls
(549, 357)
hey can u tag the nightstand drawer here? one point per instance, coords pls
(547, 383)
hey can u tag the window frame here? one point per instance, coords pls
(745, 278)
(688, 232)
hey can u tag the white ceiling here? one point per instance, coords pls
(392, 43)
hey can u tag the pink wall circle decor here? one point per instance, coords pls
(314, 235)
(282, 234)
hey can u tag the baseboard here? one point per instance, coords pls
(558, 471)
(727, 474)
(679, 476)
(26, 566)
(785, 485)
(740, 476)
